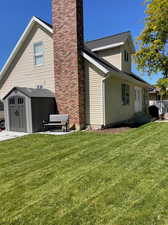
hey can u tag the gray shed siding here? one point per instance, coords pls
(41, 109)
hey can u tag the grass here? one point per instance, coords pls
(86, 178)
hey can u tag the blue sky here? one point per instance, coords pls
(101, 18)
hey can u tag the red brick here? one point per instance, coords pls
(68, 62)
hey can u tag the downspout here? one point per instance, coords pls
(104, 102)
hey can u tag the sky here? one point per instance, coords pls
(101, 18)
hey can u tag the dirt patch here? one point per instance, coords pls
(113, 130)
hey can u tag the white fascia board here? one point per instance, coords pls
(91, 60)
(108, 47)
(21, 40)
(43, 24)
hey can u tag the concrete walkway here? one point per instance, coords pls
(56, 132)
(7, 135)
(161, 121)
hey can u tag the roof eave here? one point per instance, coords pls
(106, 47)
(95, 63)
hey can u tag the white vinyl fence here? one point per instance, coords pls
(161, 104)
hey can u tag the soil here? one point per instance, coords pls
(113, 130)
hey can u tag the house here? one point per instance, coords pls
(156, 99)
(91, 82)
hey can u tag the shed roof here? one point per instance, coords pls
(33, 92)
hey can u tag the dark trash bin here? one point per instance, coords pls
(154, 111)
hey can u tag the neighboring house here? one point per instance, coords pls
(94, 85)
(161, 102)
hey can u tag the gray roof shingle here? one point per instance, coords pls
(114, 39)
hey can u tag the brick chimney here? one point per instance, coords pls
(68, 63)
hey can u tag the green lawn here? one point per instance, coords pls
(86, 178)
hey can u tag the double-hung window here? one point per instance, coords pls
(125, 89)
(38, 54)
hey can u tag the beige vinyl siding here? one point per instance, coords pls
(94, 100)
(113, 56)
(23, 72)
(115, 110)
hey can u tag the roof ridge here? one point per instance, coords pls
(48, 24)
(109, 36)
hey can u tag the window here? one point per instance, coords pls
(20, 101)
(125, 94)
(39, 86)
(11, 101)
(126, 56)
(38, 54)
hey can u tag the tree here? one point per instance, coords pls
(152, 56)
(162, 84)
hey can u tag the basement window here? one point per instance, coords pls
(125, 89)
(38, 54)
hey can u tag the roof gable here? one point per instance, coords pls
(34, 21)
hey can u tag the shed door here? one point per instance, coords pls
(17, 113)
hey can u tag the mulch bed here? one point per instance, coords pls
(113, 130)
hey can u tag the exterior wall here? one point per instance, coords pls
(113, 56)
(23, 72)
(68, 61)
(126, 66)
(93, 96)
(115, 111)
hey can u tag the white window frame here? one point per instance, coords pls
(38, 54)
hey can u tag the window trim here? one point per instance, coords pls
(38, 54)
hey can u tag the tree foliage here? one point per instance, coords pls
(152, 56)
(162, 83)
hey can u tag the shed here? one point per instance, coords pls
(25, 109)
